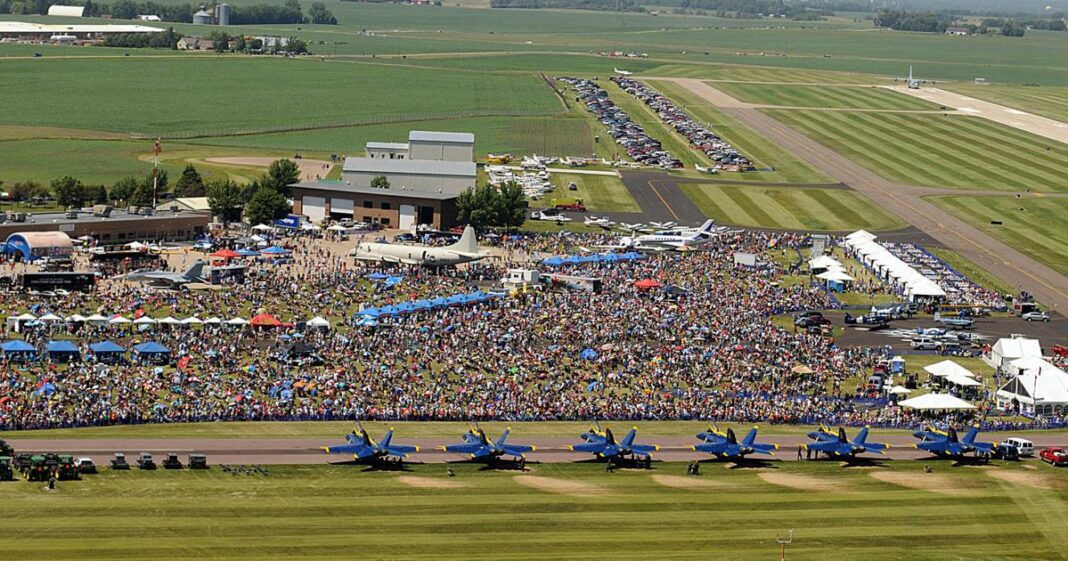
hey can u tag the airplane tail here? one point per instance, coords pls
(862, 436)
(628, 440)
(195, 272)
(750, 438)
(706, 228)
(731, 437)
(468, 243)
(842, 435)
(609, 438)
(937, 316)
(952, 435)
(386, 439)
(504, 436)
(969, 437)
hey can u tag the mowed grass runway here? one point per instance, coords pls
(554, 511)
(1047, 101)
(1035, 226)
(822, 96)
(790, 208)
(938, 151)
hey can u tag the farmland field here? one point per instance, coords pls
(790, 208)
(553, 511)
(762, 150)
(950, 151)
(1035, 226)
(822, 96)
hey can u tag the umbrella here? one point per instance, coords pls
(801, 369)
(646, 284)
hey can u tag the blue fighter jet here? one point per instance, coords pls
(482, 449)
(726, 445)
(948, 445)
(603, 445)
(839, 446)
(365, 450)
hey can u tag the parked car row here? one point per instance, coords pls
(641, 147)
(708, 142)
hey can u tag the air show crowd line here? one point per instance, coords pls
(709, 351)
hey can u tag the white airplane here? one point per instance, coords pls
(622, 72)
(913, 83)
(663, 225)
(463, 251)
(599, 222)
(677, 240)
(710, 171)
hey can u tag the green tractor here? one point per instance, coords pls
(6, 449)
(67, 470)
(38, 470)
(7, 473)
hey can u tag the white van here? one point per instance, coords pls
(1025, 448)
(924, 344)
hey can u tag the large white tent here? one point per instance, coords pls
(948, 368)
(1035, 382)
(936, 402)
(1007, 350)
(891, 268)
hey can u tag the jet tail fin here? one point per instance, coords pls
(842, 435)
(195, 272)
(629, 439)
(862, 436)
(969, 437)
(468, 243)
(750, 438)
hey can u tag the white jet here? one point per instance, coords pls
(670, 240)
(463, 251)
(622, 72)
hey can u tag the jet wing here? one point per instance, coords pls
(718, 448)
(592, 447)
(644, 449)
(828, 446)
(359, 450)
(515, 449)
(401, 451)
(463, 448)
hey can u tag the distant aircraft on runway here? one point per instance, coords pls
(839, 446)
(365, 450)
(961, 323)
(622, 72)
(725, 445)
(603, 445)
(947, 444)
(463, 251)
(482, 449)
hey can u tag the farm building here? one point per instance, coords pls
(43, 32)
(35, 245)
(66, 11)
(199, 204)
(191, 43)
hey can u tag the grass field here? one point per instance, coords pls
(790, 208)
(969, 269)
(1049, 102)
(823, 96)
(952, 151)
(598, 192)
(1035, 226)
(574, 512)
(762, 150)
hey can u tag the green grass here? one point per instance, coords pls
(790, 208)
(337, 512)
(764, 152)
(1034, 226)
(1047, 101)
(231, 94)
(758, 74)
(598, 193)
(938, 151)
(823, 96)
(975, 273)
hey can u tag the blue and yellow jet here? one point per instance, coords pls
(946, 443)
(839, 446)
(482, 449)
(365, 450)
(604, 445)
(725, 445)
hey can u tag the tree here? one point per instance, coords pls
(124, 9)
(296, 46)
(69, 191)
(511, 206)
(98, 194)
(224, 199)
(25, 190)
(190, 180)
(479, 206)
(380, 182)
(264, 206)
(143, 194)
(239, 44)
(280, 175)
(220, 42)
(320, 15)
(124, 188)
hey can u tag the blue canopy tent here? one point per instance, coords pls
(588, 354)
(392, 281)
(378, 276)
(19, 350)
(274, 250)
(107, 351)
(152, 352)
(62, 350)
(46, 389)
(370, 312)
(553, 261)
(245, 252)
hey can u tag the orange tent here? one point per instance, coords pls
(226, 254)
(267, 320)
(646, 284)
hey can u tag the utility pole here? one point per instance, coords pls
(156, 149)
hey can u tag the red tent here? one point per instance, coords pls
(646, 284)
(267, 320)
(226, 254)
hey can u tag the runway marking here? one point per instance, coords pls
(663, 200)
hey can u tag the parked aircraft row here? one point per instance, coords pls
(604, 446)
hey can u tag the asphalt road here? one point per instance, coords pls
(550, 449)
(1048, 285)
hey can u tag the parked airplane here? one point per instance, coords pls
(947, 444)
(622, 72)
(664, 225)
(710, 171)
(480, 448)
(364, 449)
(667, 240)
(463, 251)
(604, 445)
(599, 222)
(838, 445)
(194, 273)
(961, 323)
(726, 445)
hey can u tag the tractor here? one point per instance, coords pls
(38, 470)
(67, 469)
(172, 461)
(119, 462)
(6, 471)
(6, 449)
(198, 461)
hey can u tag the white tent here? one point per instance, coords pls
(948, 368)
(191, 321)
(118, 319)
(75, 318)
(262, 228)
(963, 381)
(337, 228)
(318, 321)
(823, 262)
(144, 320)
(96, 318)
(212, 321)
(837, 276)
(1008, 350)
(936, 402)
(1036, 381)
(236, 321)
(24, 317)
(136, 245)
(168, 321)
(50, 317)
(899, 390)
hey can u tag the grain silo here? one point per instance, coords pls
(223, 14)
(202, 18)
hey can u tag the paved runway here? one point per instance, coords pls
(550, 449)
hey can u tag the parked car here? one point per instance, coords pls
(1026, 448)
(85, 465)
(1055, 456)
(145, 461)
(924, 344)
(1035, 316)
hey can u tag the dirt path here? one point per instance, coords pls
(1048, 285)
(310, 170)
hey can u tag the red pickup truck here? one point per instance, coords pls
(1055, 456)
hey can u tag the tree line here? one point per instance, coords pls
(938, 22)
(599, 5)
(288, 12)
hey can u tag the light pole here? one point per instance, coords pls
(785, 541)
